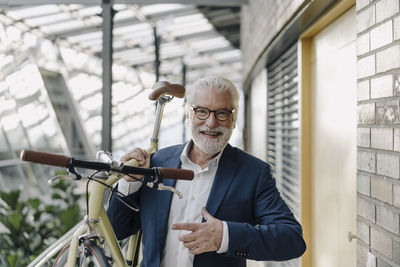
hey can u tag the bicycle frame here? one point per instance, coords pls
(97, 224)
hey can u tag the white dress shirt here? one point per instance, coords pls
(188, 209)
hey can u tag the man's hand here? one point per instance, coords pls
(204, 237)
(142, 158)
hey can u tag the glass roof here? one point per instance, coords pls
(45, 49)
(182, 28)
(67, 39)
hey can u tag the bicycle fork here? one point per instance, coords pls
(96, 225)
(73, 246)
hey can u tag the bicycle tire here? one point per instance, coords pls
(93, 256)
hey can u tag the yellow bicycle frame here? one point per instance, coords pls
(98, 222)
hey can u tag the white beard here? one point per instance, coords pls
(207, 145)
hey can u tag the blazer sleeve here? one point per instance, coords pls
(275, 234)
(124, 221)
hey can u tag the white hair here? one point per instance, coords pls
(221, 84)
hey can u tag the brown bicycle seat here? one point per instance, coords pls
(166, 88)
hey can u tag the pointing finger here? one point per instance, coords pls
(185, 226)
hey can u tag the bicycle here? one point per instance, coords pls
(85, 243)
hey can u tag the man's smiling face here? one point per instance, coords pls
(211, 135)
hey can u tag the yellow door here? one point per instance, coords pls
(332, 96)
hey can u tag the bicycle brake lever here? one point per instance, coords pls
(162, 187)
(55, 178)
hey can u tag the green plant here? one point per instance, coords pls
(32, 225)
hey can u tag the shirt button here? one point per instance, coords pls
(193, 198)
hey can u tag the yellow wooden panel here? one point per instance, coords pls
(327, 56)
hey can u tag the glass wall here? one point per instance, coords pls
(27, 121)
(46, 49)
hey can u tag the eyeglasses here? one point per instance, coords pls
(221, 114)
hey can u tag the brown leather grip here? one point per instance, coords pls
(44, 158)
(166, 88)
(179, 174)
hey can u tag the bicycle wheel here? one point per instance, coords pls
(91, 256)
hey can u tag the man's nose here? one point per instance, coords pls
(212, 120)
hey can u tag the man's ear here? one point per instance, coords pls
(187, 114)
(234, 119)
(187, 117)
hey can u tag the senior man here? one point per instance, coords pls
(230, 212)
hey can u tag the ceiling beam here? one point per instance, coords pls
(137, 2)
(123, 22)
(93, 28)
(193, 2)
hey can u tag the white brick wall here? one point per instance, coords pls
(388, 165)
(387, 112)
(364, 185)
(387, 219)
(363, 137)
(382, 35)
(383, 263)
(382, 138)
(386, 9)
(361, 4)
(381, 242)
(363, 231)
(396, 142)
(363, 44)
(366, 66)
(396, 252)
(363, 90)
(396, 195)
(396, 84)
(386, 60)
(366, 18)
(362, 255)
(378, 109)
(366, 161)
(382, 86)
(381, 190)
(396, 28)
(366, 209)
(366, 113)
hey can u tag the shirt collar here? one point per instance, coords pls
(185, 155)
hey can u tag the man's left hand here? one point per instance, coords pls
(204, 237)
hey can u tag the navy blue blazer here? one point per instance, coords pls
(260, 225)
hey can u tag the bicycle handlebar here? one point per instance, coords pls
(171, 173)
(166, 88)
(45, 158)
(64, 161)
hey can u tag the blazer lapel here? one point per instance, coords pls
(226, 171)
(164, 198)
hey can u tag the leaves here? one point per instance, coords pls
(34, 203)
(12, 260)
(11, 198)
(15, 220)
(31, 225)
(68, 217)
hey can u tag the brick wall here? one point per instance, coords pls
(378, 132)
(261, 22)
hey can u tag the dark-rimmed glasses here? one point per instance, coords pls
(221, 114)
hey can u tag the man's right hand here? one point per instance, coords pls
(141, 156)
